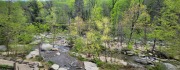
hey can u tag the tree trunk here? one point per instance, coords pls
(7, 33)
(145, 35)
(15, 66)
(54, 36)
(105, 51)
(133, 23)
(40, 44)
(132, 29)
(154, 45)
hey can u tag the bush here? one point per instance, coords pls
(50, 62)
(130, 46)
(39, 58)
(6, 67)
(98, 62)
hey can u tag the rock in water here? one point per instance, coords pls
(55, 66)
(57, 53)
(90, 66)
(46, 47)
(169, 66)
(62, 69)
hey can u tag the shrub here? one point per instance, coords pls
(6, 67)
(39, 58)
(98, 62)
(130, 46)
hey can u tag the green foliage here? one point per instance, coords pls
(21, 48)
(98, 62)
(79, 44)
(117, 13)
(91, 23)
(49, 63)
(39, 58)
(5, 67)
(130, 46)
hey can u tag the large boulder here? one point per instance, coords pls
(170, 66)
(33, 54)
(90, 66)
(55, 67)
(46, 47)
(3, 48)
(145, 60)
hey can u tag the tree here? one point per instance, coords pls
(12, 22)
(79, 6)
(169, 26)
(116, 14)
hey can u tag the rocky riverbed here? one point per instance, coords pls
(62, 58)
(59, 55)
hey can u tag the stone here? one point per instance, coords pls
(3, 48)
(130, 53)
(127, 52)
(123, 62)
(145, 61)
(25, 62)
(40, 64)
(141, 55)
(55, 66)
(57, 53)
(90, 66)
(54, 49)
(33, 54)
(6, 62)
(19, 60)
(170, 66)
(46, 47)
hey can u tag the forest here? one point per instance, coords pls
(89, 35)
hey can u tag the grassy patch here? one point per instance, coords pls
(6, 67)
(98, 62)
(107, 66)
(48, 64)
(38, 58)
